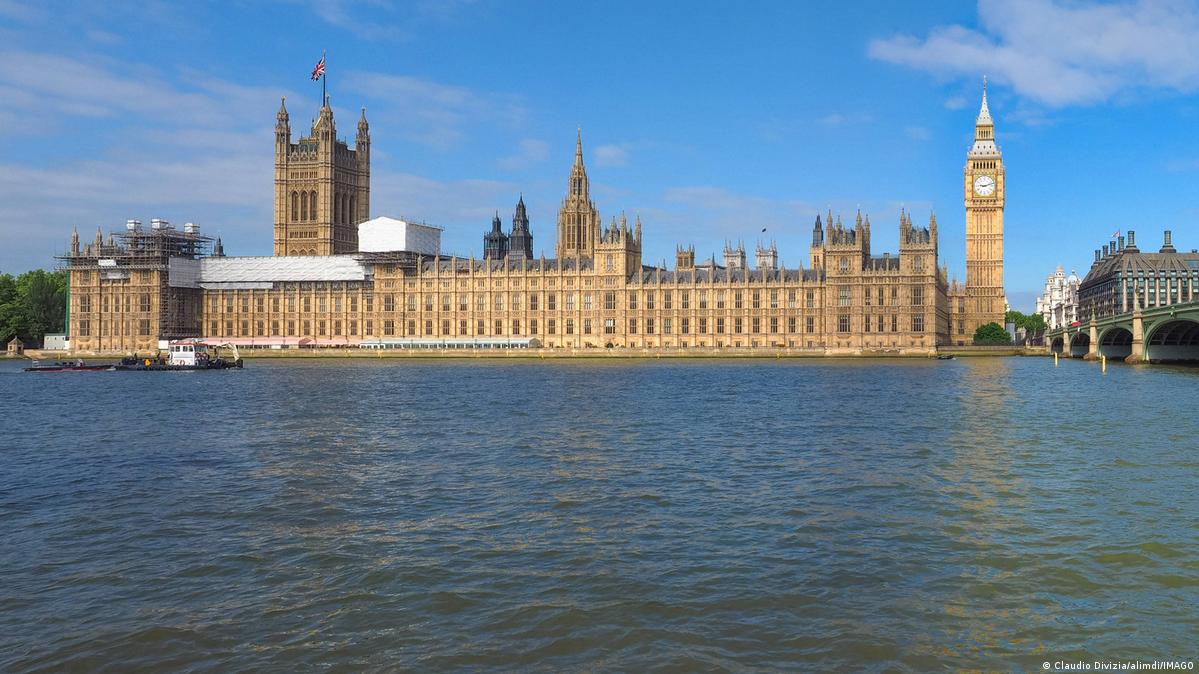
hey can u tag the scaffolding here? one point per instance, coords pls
(149, 250)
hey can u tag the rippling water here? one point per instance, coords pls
(596, 516)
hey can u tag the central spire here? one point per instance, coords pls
(578, 222)
(578, 172)
(984, 113)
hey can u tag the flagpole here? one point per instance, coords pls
(324, 77)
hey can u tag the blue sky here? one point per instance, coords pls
(708, 119)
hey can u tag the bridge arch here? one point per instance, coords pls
(1058, 345)
(1174, 340)
(1116, 342)
(1080, 345)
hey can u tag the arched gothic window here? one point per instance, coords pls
(353, 211)
(295, 206)
(337, 207)
(303, 207)
(312, 204)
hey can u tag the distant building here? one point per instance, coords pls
(55, 342)
(1058, 304)
(338, 278)
(16, 347)
(1122, 278)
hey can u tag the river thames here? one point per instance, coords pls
(694, 515)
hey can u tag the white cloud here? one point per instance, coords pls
(529, 151)
(956, 103)
(40, 85)
(20, 12)
(104, 37)
(432, 113)
(1063, 53)
(918, 133)
(714, 213)
(612, 155)
(190, 150)
(842, 119)
(340, 14)
(451, 204)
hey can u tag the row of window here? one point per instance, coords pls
(649, 326)
(648, 300)
(83, 328)
(303, 207)
(117, 303)
(514, 300)
(879, 323)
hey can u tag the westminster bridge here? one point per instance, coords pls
(1166, 333)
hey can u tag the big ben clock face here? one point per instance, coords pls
(984, 186)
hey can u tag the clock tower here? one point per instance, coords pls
(985, 193)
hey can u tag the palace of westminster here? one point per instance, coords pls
(322, 288)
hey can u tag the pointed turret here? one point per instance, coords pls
(282, 123)
(324, 121)
(75, 242)
(99, 239)
(362, 141)
(817, 233)
(219, 249)
(495, 242)
(520, 243)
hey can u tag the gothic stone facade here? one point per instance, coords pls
(322, 187)
(596, 293)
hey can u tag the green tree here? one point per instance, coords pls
(32, 305)
(1035, 323)
(1030, 322)
(991, 334)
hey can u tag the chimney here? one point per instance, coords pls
(1105, 251)
(1132, 240)
(1096, 256)
(1168, 247)
(1121, 243)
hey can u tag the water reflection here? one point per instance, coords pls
(845, 515)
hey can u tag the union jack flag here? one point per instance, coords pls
(319, 71)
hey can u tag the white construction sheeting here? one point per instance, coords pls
(225, 272)
(389, 235)
(183, 272)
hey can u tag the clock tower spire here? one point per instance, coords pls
(985, 193)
